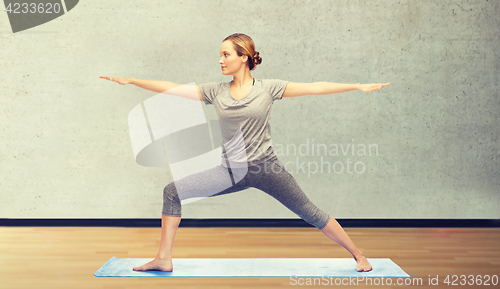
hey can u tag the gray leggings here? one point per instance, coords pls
(270, 177)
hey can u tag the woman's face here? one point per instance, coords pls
(229, 61)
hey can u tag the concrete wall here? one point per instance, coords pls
(65, 145)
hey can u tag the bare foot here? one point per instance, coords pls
(157, 265)
(363, 264)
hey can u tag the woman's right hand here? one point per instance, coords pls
(120, 80)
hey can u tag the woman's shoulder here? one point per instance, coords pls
(270, 83)
(210, 90)
(275, 87)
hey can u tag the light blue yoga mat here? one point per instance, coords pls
(253, 267)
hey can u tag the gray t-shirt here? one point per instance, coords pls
(245, 123)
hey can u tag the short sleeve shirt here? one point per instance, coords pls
(245, 123)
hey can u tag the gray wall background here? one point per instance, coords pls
(65, 146)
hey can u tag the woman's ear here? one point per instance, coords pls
(245, 58)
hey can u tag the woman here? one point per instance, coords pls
(243, 106)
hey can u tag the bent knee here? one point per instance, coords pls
(170, 193)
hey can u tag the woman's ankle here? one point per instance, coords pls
(358, 255)
(163, 257)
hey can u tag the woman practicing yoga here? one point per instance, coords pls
(243, 107)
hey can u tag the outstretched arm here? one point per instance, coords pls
(294, 89)
(185, 91)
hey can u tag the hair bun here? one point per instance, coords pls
(257, 59)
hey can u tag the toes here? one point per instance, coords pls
(364, 269)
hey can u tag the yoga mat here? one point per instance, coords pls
(253, 267)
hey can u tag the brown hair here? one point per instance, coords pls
(244, 45)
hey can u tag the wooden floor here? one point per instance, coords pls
(67, 257)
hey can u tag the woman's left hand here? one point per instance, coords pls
(372, 86)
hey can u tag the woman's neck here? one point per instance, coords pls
(242, 78)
